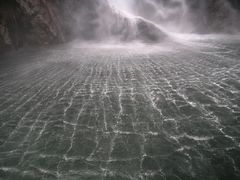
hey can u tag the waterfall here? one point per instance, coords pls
(184, 16)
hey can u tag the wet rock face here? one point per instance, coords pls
(29, 22)
(198, 16)
(40, 22)
(149, 32)
(8, 14)
(4, 37)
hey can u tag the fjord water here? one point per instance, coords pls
(123, 112)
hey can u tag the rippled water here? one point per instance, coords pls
(121, 113)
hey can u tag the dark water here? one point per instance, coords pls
(121, 113)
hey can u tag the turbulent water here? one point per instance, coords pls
(123, 112)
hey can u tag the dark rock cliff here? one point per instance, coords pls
(29, 22)
(41, 22)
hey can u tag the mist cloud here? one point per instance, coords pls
(186, 16)
(40, 22)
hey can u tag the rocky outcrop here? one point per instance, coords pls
(197, 16)
(29, 22)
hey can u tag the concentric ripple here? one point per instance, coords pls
(121, 113)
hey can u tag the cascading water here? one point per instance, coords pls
(184, 16)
